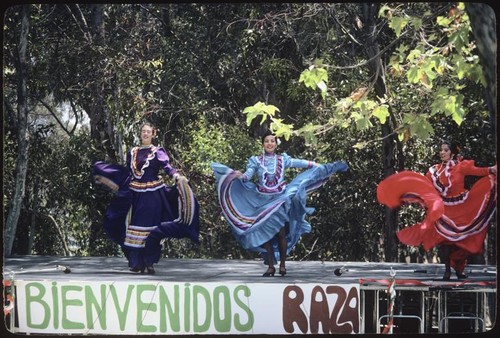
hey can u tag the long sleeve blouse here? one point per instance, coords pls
(145, 163)
(449, 178)
(270, 170)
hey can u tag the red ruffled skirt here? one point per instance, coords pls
(463, 224)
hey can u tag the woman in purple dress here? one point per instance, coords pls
(144, 211)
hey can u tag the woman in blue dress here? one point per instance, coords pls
(269, 216)
(144, 211)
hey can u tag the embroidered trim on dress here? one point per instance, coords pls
(146, 186)
(436, 174)
(232, 214)
(278, 172)
(134, 164)
(454, 200)
(107, 182)
(447, 228)
(135, 236)
(276, 189)
(186, 202)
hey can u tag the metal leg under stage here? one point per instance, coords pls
(473, 313)
(428, 310)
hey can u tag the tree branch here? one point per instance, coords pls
(59, 232)
(51, 111)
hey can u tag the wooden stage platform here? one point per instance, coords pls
(99, 295)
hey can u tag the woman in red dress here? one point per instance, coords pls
(457, 219)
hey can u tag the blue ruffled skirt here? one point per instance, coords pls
(255, 218)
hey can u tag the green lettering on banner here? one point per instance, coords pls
(222, 324)
(92, 303)
(139, 308)
(201, 291)
(55, 305)
(243, 305)
(172, 315)
(187, 308)
(121, 312)
(66, 302)
(144, 307)
(38, 298)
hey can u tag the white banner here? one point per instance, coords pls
(165, 308)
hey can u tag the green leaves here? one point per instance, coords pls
(315, 77)
(360, 113)
(267, 112)
(439, 60)
(381, 112)
(423, 68)
(259, 109)
(282, 129)
(449, 104)
(439, 71)
(418, 124)
(397, 24)
(309, 133)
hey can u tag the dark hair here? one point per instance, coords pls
(266, 134)
(454, 148)
(149, 124)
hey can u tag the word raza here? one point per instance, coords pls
(340, 317)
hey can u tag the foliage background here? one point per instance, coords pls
(97, 71)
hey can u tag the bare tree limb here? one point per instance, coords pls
(59, 233)
(49, 108)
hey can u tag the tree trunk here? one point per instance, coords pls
(377, 73)
(36, 203)
(22, 115)
(483, 24)
(101, 127)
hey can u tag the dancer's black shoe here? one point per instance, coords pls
(269, 272)
(447, 275)
(460, 275)
(282, 270)
(141, 270)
